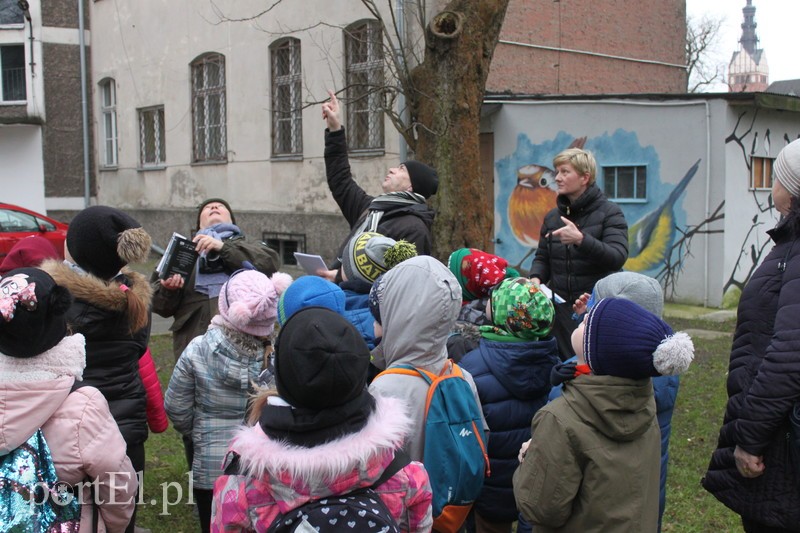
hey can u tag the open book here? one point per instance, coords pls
(179, 258)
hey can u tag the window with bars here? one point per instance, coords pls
(10, 13)
(286, 244)
(152, 143)
(209, 140)
(761, 172)
(364, 73)
(625, 182)
(287, 123)
(108, 113)
(12, 72)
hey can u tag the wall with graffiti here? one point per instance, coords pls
(751, 134)
(693, 166)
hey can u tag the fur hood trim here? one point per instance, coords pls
(386, 430)
(106, 295)
(67, 358)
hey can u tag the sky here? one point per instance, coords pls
(776, 28)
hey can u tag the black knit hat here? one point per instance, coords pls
(33, 316)
(424, 179)
(214, 200)
(103, 239)
(321, 360)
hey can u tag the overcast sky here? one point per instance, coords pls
(776, 27)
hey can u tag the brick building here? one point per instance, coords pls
(41, 140)
(591, 47)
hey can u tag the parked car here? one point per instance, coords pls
(17, 223)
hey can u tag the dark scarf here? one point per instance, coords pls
(384, 202)
(309, 428)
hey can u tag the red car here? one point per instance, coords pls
(17, 223)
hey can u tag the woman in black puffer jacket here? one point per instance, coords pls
(751, 471)
(582, 240)
(112, 310)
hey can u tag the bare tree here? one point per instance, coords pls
(443, 89)
(442, 77)
(703, 66)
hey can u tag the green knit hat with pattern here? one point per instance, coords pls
(520, 312)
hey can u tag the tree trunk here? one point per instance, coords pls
(445, 103)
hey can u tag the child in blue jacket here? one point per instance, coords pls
(511, 367)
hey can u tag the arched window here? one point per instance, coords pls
(209, 139)
(287, 119)
(364, 72)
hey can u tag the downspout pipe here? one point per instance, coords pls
(400, 10)
(84, 106)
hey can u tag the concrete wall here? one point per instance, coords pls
(749, 133)
(21, 172)
(53, 105)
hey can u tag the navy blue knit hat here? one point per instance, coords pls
(623, 339)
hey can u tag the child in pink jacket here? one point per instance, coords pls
(322, 434)
(39, 365)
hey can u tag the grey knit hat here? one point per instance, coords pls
(632, 286)
(787, 168)
(368, 255)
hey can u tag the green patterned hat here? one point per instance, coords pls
(520, 311)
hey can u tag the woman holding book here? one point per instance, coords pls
(222, 249)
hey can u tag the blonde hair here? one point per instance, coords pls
(581, 160)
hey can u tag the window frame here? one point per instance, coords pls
(159, 131)
(754, 159)
(285, 244)
(202, 95)
(636, 198)
(24, 78)
(365, 98)
(108, 112)
(291, 81)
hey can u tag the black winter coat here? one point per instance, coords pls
(100, 313)
(571, 270)
(763, 385)
(410, 222)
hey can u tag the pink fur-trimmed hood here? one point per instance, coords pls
(357, 459)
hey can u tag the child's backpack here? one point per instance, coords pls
(455, 452)
(31, 498)
(359, 510)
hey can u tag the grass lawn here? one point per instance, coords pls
(698, 414)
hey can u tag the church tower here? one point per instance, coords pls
(748, 69)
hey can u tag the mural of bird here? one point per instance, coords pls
(532, 198)
(650, 238)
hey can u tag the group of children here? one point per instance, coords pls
(335, 406)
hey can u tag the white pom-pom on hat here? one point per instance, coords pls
(674, 355)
